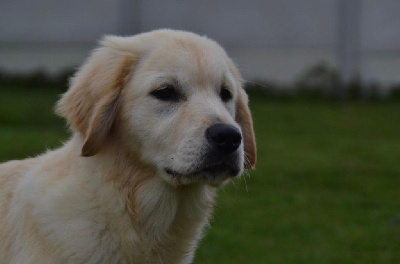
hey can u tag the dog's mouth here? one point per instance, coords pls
(215, 169)
(210, 174)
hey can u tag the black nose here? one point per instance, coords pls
(225, 138)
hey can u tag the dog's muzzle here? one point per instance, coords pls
(220, 162)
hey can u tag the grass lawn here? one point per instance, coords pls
(326, 188)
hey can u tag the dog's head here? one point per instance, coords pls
(173, 98)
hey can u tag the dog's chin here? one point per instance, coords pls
(216, 175)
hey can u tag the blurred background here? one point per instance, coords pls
(324, 83)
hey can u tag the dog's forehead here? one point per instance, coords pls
(193, 61)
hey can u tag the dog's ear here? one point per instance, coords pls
(91, 103)
(243, 118)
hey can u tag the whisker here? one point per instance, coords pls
(234, 184)
(260, 84)
(245, 183)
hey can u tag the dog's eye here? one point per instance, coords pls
(225, 94)
(166, 93)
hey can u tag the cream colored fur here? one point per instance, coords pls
(105, 196)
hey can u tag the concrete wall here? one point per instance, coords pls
(269, 39)
(61, 21)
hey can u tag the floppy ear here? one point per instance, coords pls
(91, 103)
(243, 118)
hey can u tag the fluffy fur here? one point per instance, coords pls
(108, 195)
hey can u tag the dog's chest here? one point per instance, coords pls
(99, 226)
(170, 223)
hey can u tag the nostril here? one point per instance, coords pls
(226, 138)
(219, 138)
(237, 139)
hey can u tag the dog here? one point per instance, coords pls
(159, 122)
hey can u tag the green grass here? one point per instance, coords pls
(326, 188)
(28, 125)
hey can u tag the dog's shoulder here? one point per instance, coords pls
(10, 173)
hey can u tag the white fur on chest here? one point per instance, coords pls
(86, 220)
(171, 219)
(70, 221)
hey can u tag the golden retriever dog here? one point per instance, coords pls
(159, 121)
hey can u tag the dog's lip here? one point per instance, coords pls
(213, 169)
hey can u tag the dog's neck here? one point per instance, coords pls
(168, 219)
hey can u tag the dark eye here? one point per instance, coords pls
(166, 93)
(225, 94)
